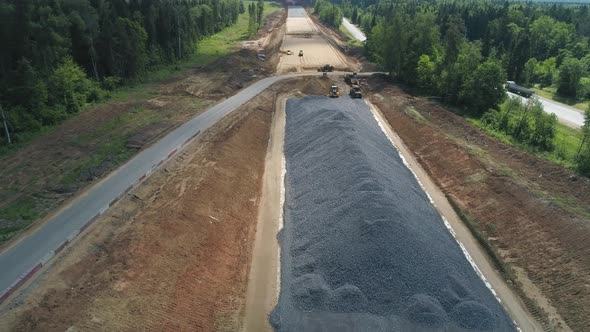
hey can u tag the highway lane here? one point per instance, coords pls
(21, 260)
(565, 114)
(354, 30)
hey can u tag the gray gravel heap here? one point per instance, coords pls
(362, 248)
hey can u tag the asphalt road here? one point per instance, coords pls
(354, 30)
(21, 258)
(565, 114)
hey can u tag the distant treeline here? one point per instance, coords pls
(328, 13)
(544, 44)
(50, 48)
(464, 51)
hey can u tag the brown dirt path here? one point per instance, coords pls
(531, 215)
(264, 279)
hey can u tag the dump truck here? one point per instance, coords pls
(326, 68)
(334, 92)
(519, 90)
(355, 91)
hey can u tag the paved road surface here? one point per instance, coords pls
(22, 259)
(565, 114)
(354, 30)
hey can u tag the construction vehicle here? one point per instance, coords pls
(326, 68)
(351, 79)
(519, 90)
(355, 91)
(300, 52)
(334, 93)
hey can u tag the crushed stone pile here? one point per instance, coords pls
(362, 248)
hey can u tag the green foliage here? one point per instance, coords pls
(22, 212)
(129, 48)
(546, 71)
(583, 154)
(259, 11)
(535, 44)
(526, 123)
(427, 79)
(111, 83)
(455, 73)
(530, 71)
(399, 48)
(328, 13)
(548, 36)
(70, 88)
(252, 21)
(483, 89)
(570, 73)
(51, 47)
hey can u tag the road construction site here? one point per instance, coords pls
(362, 247)
(302, 34)
(294, 211)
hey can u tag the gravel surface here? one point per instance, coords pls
(363, 249)
(296, 11)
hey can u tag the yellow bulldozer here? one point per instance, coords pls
(334, 91)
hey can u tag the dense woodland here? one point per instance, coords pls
(464, 51)
(58, 55)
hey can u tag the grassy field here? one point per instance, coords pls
(550, 93)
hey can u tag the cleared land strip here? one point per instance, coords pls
(303, 35)
(26, 256)
(362, 247)
(172, 256)
(23, 259)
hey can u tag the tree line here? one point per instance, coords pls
(58, 55)
(255, 12)
(464, 51)
(328, 13)
(544, 44)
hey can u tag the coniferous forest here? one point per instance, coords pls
(58, 55)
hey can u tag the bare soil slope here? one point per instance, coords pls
(180, 258)
(534, 216)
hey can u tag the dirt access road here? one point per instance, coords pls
(303, 34)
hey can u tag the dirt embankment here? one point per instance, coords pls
(175, 254)
(62, 162)
(531, 215)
